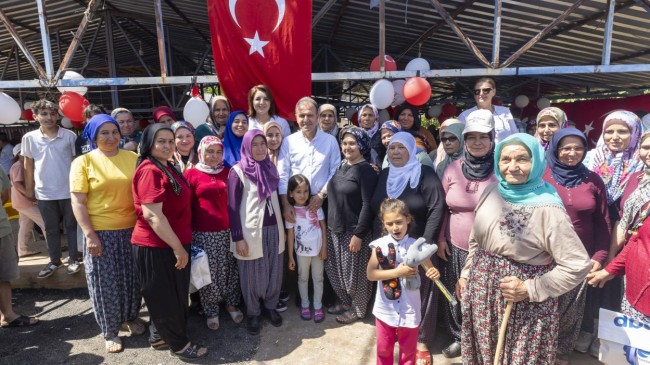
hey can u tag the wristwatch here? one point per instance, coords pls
(322, 195)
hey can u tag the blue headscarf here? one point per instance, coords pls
(567, 176)
(535, 191)
(232, 143)
(93, 125)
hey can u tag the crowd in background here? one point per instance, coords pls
(537, 222)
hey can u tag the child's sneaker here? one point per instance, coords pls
(305, 314)
(319, 315)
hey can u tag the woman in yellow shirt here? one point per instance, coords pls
(102, 201)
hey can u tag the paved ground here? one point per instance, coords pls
(69, 334)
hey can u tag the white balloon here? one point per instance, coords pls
(434, 111)
(66, 122)
(71, 75)
(27, 105)
(521, 101)
(418, 64)
(382, 94)
(398, 85)
(384, 116)
(646, 122)
(10, 111)
(349, 112)
(196, 111)
(543, 103)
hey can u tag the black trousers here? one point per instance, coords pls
(165, 290)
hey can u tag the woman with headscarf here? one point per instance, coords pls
(504, 123)
(273, 133)
(236, 128)
(164, 114)
(184, 157)
(409, 117)
(161, 239)
(328, 120)
(369, 122)
(262, 109)
(102, 202)
(208, 181)
(418, 186)
(256, 229)
(585, 200)
(463, 181)
(215, 125)
(549, 121)
(349, 225)
(523, 250)
(439, 154)
(453, 144)
(387, 130)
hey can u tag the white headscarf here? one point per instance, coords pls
(398, 177)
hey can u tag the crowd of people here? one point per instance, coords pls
(530, 227)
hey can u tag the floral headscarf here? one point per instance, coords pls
(363, 140)
(206, 142)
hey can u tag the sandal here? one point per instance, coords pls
(347, 317)
(135, 327)
(236, 315)
(337, 309)
(159, 345)
(213, 323)
(191, 352)
(21, 321)
(114, 345)
(423, 358)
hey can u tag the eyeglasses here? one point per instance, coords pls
(448, 139)
(484, 91)
(571, 149)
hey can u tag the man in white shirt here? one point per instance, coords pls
(310, 152)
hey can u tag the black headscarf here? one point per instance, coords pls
(416, 116)
(146, 143)
(478, 168)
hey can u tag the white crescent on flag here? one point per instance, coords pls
(281, 9)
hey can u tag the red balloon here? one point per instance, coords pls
(27, 114)
(417, 91)
(77, 125)
(497, 101)
(72, 105)
(144, 123)
(449, 109)
(355, 119)
(389, 64)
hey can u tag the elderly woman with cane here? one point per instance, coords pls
(523, 251)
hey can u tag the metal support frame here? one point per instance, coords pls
(382, 35)
(339, 17)
(160, 31)
(607, 39)
(496, 36)
(321, 13)
(459, 32)
(76, 38)
(45, 39)
(644, 4)
(112, 70)
(7, 62)
(23, 47)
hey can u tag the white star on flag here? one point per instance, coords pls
(256, 44)
(588, 128)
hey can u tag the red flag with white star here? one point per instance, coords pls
(262, 42)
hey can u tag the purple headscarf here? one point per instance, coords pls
(263, 174)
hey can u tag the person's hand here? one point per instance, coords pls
(355, 244)
(406, 271)
(513, 289)
(182, 258)
(443, 250)
(315, 202)
(432, 273)
(289, 214)
(131, 146)
(599, 278)
(323, 254)
(595, 266)
(241, 247)
(292, 263)
(375, 167)
(94, 245)
(461, 285)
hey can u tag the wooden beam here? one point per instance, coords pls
(160, 31)
(339, 17)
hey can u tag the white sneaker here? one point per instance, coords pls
(73, 267)
(584, 341)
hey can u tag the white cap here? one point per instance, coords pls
(480, 120)
(16, 149)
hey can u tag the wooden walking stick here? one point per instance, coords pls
(502, 333)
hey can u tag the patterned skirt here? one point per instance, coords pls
(223, 271)
(113, 282)
(571, 308)
(531, 336)
(347, 271)
(631, 312)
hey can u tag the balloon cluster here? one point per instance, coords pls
(415, 90)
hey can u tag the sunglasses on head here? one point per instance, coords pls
(448, 139)
(484, 91)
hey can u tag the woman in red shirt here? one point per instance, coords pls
(162, 237)
(208, 182)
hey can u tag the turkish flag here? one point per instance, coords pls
(262, 42)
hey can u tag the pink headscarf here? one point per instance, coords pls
(206, 142)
